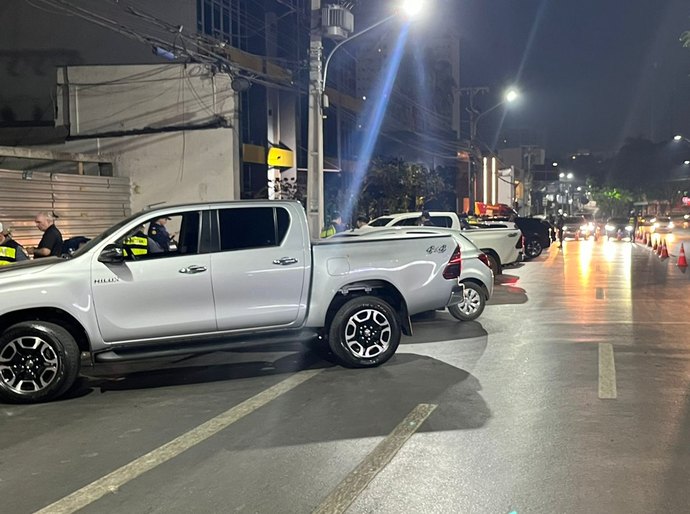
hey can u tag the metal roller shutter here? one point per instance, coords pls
(85, 205)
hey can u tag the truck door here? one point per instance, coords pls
(259, 268)
(156, 291)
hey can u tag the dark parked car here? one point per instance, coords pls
(536, 233)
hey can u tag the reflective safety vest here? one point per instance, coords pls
(328, 231)
(136, 245)
(8, 255)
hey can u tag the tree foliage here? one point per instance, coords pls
(393, 185)
(612, 201)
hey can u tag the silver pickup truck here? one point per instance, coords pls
(231, 273)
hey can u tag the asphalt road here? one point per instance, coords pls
(570, 394)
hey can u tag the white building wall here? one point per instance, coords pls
(160, 123)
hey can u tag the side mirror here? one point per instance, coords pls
(112, 254)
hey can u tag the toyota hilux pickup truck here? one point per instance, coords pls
(501, 245)
(234, 273)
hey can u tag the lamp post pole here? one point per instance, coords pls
(315, 203)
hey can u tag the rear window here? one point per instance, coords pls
(380, 222)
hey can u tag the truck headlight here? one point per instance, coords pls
(670, 224)
(629, 228)
(609, 227)
(583, 227)
(656, 225)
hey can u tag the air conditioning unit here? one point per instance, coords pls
(337, 22)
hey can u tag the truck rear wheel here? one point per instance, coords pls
(364, 333)
(38, 362)
(472, 306)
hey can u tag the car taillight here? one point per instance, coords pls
(485, 260)
(454, 265)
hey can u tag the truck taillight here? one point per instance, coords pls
(454, 265)
(485, 260)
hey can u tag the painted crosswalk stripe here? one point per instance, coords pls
(607, 372)
(359, 478)
(113, 481)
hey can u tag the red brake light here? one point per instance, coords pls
(485, 260)
(454, 265)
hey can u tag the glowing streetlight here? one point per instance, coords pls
(412, 8)
(561, 175)
(677, 137)
(570, 176)
(687, 163)
(512, 95)
(554, 164)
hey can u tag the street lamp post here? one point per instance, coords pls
(318, 73)
(510, 96)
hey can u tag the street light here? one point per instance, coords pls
(510, 96)
(317, 100)
(677, 137)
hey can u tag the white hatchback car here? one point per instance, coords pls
(475, 271)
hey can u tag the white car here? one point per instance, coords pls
(475, 269)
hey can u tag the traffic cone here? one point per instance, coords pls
(664, 251)
(577, 235)
(659, 249)
(682, 262)
(655, 247)
(647, 240)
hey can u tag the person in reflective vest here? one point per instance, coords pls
(136, 245)
(335, 226)
(10, 250)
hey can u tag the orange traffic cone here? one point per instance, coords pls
(647, 240)
(682, 261)
(659, 249)
(577, 235)
(664, 251)
(655, 247)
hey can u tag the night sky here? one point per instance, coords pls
(593, 72)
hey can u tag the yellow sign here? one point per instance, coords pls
(280, 158)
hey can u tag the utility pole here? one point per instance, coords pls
(475, 152)
(315, 203)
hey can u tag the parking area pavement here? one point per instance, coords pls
(568, 394)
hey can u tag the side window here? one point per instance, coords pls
(406, 222)
(252, 227)
(163, 236)
(442, 221)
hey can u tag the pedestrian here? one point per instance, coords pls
(362, 221)
(10, 250)
(335, 226)
(51, 242)
(560, 224)
(159, 233)
(425, 220)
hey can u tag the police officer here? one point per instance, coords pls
(136, 245)
(10, 250)
(335, 226)
(159, 233)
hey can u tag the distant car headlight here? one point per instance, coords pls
(609, 227)
(670, 224)
(629, 228)
(590, 226)
(687, 216)
(583, 227)
(656, 225)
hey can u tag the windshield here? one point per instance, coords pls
(620, 221)
(96, 240)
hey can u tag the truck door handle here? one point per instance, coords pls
(513, 234)
(285, 261)
(191, 270)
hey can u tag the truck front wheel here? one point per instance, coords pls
(38, 362)
(364, 333)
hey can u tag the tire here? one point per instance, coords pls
(473, 304)
(39, 361)
(533, 248)
(369, 318)
(494, 265)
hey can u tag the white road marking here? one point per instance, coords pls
(113, 481)
(359, 478)
(620, 322)
(607, 372)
